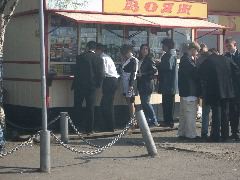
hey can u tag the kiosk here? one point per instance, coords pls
(69, 25)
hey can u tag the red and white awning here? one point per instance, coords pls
(163, 22)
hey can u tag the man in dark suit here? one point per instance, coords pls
(167, 75)
(217, 74)
(234, 109)
(88, 76)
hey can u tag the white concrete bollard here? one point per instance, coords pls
(45, 165)
(64, 126)
(146, 133)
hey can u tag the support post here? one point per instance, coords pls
(146, 133)
(64, 127)
(45, 151)
(45, 134)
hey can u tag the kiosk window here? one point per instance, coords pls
(137, 36)
(180, 37)
(63, 35)
(87, 32)
(63, 45)
(112, 37)
(155, 38)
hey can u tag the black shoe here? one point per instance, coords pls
(204, 137)
(88, 133)
(211, 139)
(197, 138)
(109, 130)
(181, 137)
(2, 148)
(163, 124)
(235, 137)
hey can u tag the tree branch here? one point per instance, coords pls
(12, 8)
(3, 4)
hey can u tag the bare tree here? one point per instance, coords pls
(6, 13)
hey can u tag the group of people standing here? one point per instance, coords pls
(215, 79)
(95, 69)
(202, 74)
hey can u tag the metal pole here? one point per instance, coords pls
(45, 134)
(146, 133)
(64, 127)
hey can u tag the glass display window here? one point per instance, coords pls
(63, 38)
(136, 36)
(181, 36)
(87, 32)
(112, 36)
(211, 40)
(156, 36)
(63, 45)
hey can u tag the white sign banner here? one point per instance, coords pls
(76, 5)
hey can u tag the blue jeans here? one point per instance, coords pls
(205, 119)
(2, 140)
(148, 108)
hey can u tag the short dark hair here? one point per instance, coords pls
(169, 43)
(230, 40)
(91, 45)
(126, 48)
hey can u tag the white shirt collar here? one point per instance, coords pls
(91, 51)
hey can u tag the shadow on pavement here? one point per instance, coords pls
(17, 170)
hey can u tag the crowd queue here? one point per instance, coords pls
(202, 77)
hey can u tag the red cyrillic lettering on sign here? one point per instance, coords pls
(167, 8)
(184, 9)
(132, 5)
(151, 6)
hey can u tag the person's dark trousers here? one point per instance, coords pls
(225, 119)
(216, 121)
(168, 105)
(109, 88)
(90, 97)
(148, 108)
(234, 113)
(220, 120)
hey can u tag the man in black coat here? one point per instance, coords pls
(234, 109)
(217, 74)
(88, 76)
(167, 75)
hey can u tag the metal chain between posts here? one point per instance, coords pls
(79, 134)
(27, 143)
(132, 122)
(100, 149)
